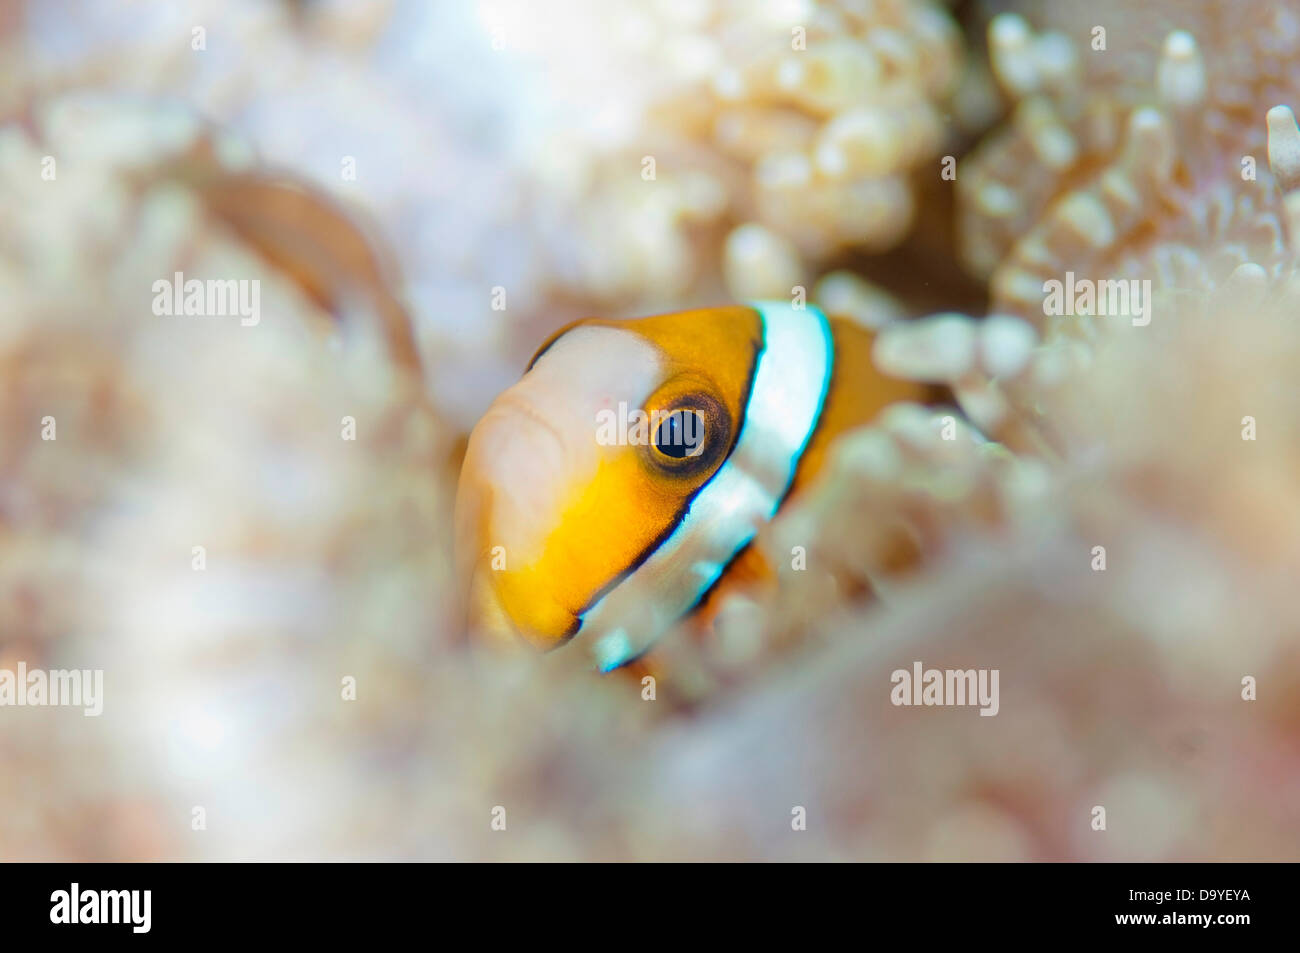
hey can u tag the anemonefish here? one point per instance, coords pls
(572, 530)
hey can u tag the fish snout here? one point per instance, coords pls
(514, 480)
(546, 503)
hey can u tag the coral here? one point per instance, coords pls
(781, 134)
(129, 438)
(1135, 159)
(770, 160)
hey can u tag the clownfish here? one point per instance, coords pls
(617, 486)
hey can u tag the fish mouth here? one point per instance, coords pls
(486, 617)
(488, 621)
(529, 465)
(513, 479)
(511, 403)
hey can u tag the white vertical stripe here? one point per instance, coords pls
(785, 402)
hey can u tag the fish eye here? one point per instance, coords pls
(681, 434)
(689, 430)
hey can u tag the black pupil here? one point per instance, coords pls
(680, 435)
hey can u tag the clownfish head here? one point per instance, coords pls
(603, 494)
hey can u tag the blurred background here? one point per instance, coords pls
(425, 191)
